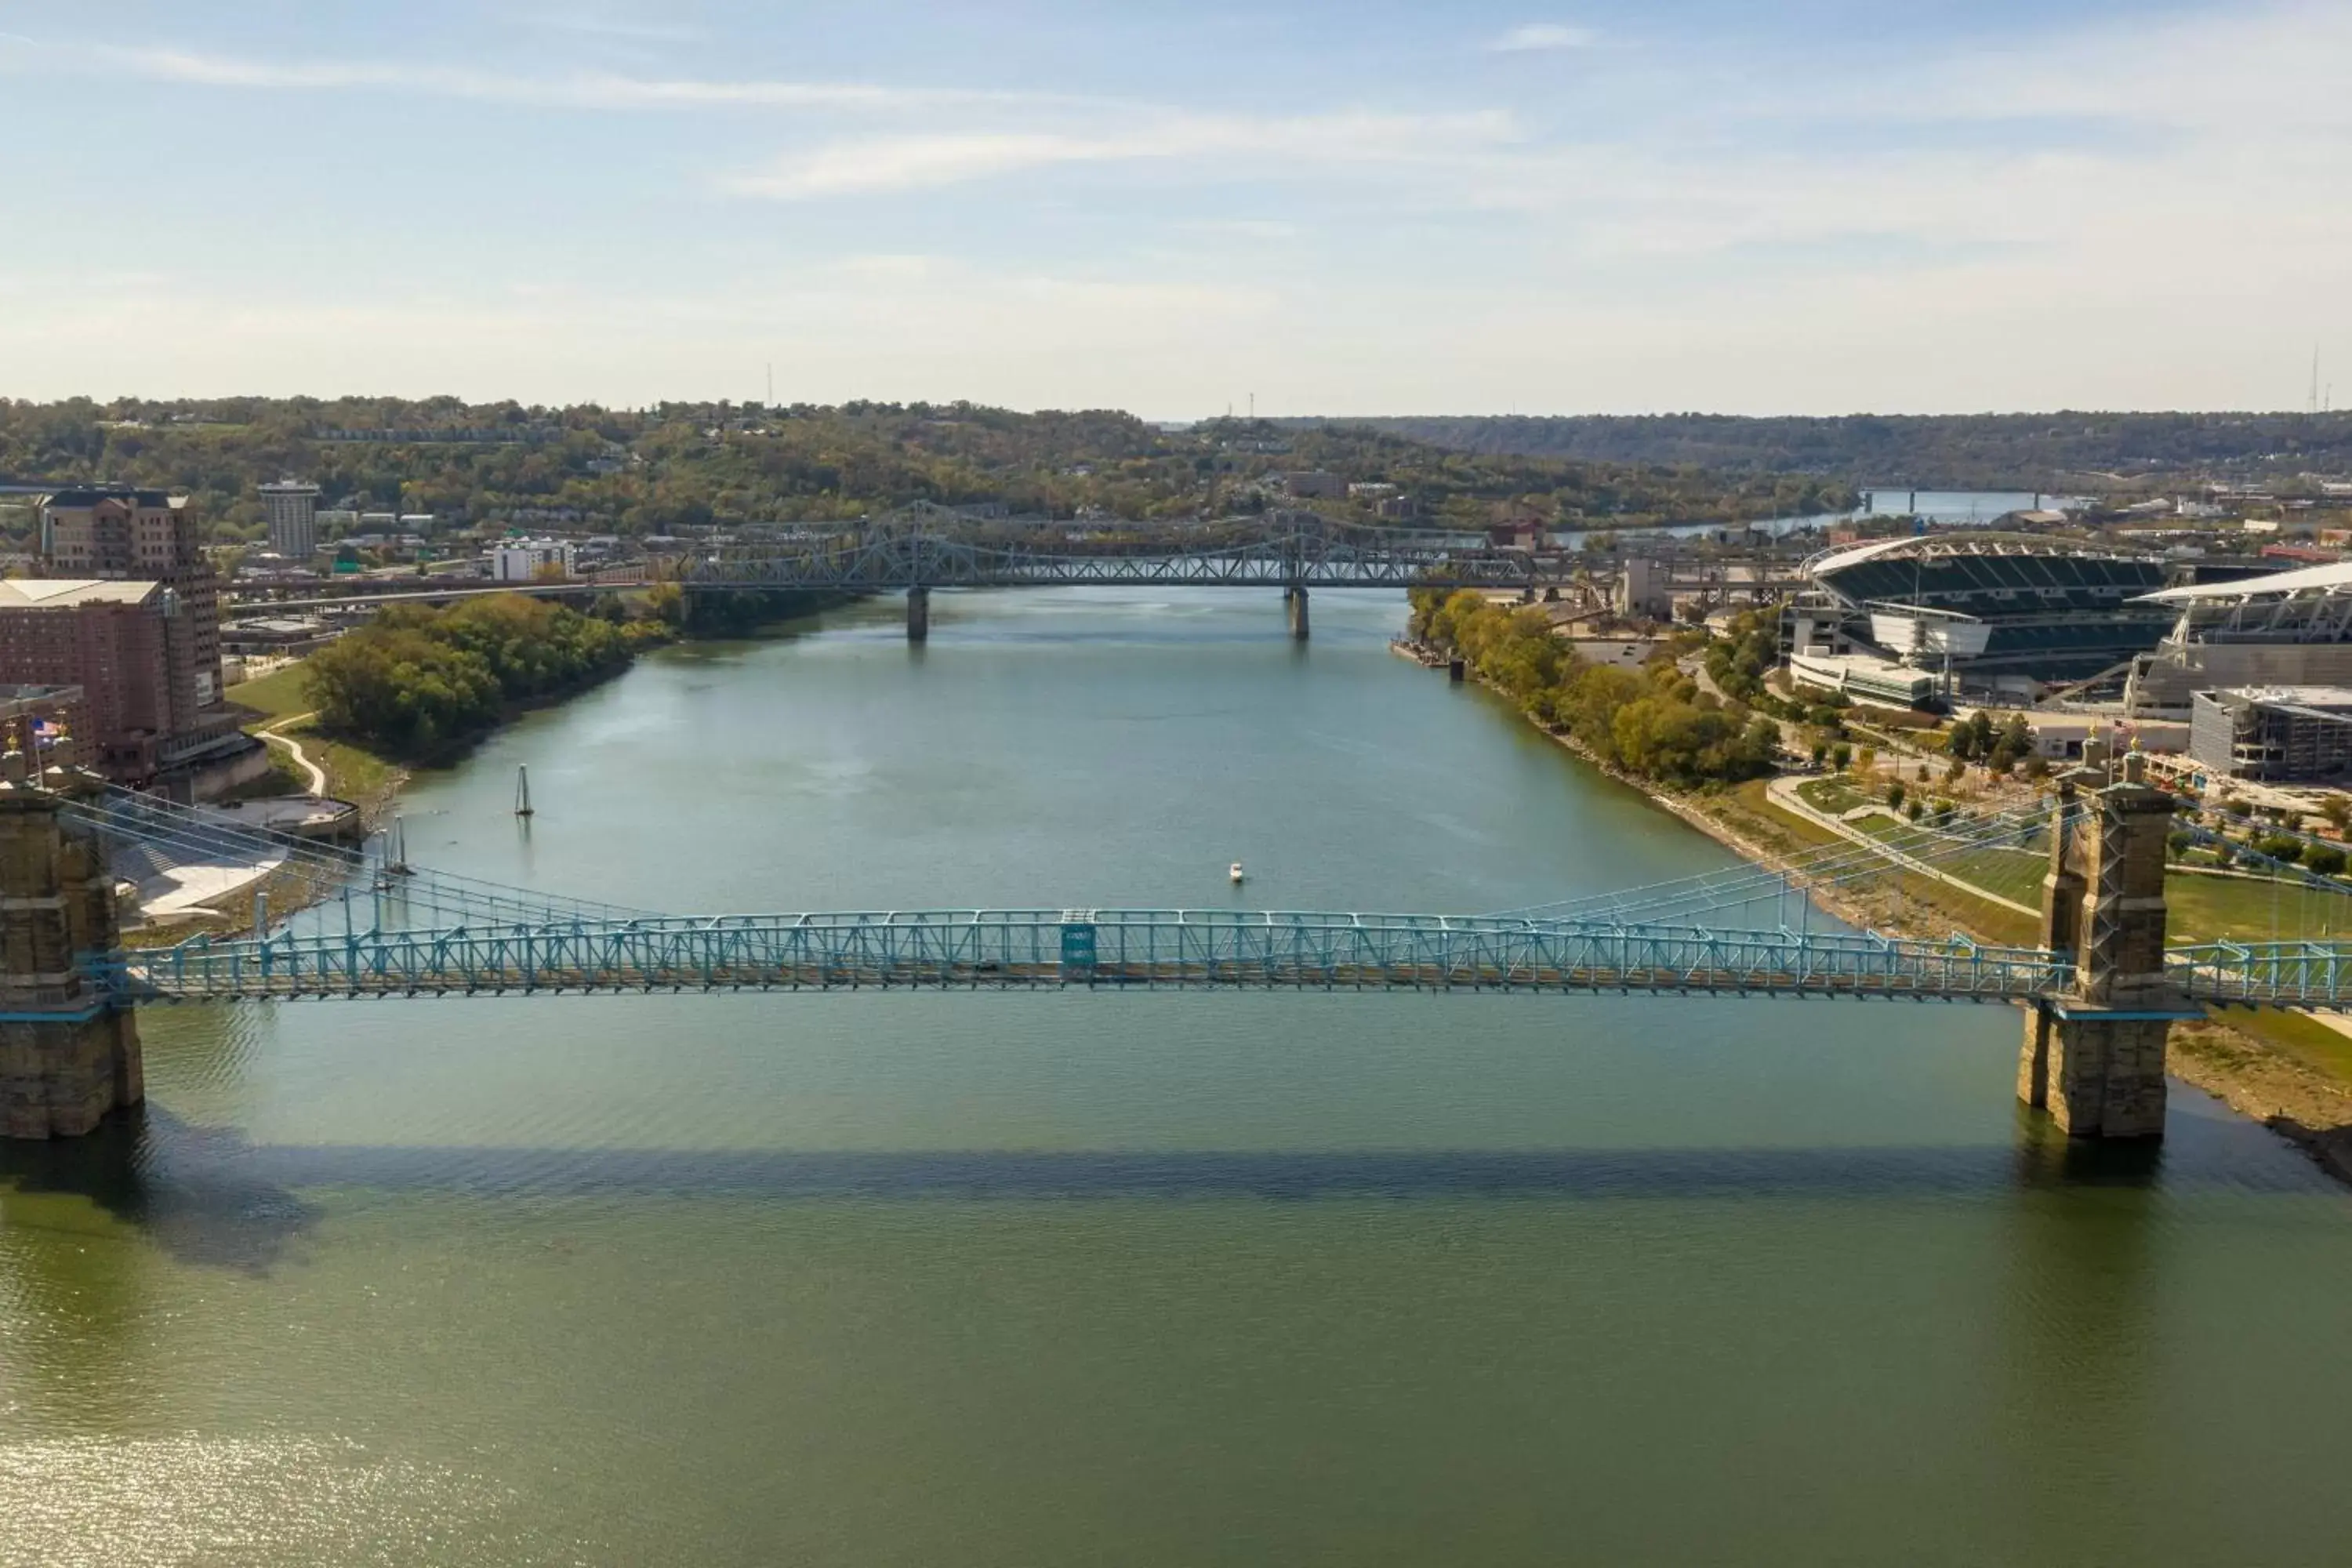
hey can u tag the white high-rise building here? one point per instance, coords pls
(523, 560)
(293, 509)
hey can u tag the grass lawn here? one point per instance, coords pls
(277, 694)
(353, 774)
(1953, 907)
(361, 777)
(1834, 796)
(2238, 909)
(2010, 874)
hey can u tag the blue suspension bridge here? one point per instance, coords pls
(362, 923)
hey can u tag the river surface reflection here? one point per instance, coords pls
(1030, 1279)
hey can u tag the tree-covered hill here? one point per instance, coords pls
(1993, 451)
(681, 464)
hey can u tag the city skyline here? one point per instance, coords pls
(1361, 210)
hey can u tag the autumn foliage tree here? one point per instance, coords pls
(1653, 723)
(414, 682)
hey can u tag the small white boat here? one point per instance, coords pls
(1237, 874)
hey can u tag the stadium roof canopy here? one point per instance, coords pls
(2336, 577)
(1858, 554)
(1969, 542)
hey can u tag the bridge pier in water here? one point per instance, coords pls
(1294, 600)
(67, 1055)
(2094, 1056)
(918, 614)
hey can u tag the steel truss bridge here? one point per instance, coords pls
(926, 550)
(369, 925)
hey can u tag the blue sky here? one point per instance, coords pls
(1818, 207)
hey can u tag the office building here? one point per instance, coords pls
(524, 560)
(144, 536)
(125, 568)
(1864, 679)
(140, 713)
(292, 508)
(2281, 735)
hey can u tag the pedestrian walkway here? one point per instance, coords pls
(317, 774)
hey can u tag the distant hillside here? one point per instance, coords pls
(1975, 451)
(688, 465)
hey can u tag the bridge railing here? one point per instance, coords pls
(2313, 974)
(1095, 949)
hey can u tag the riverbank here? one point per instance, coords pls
(367, 779)
(2285, 1070)
(371, 774)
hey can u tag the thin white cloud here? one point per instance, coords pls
(884, 164)
(1956, 227)
(1537, 37)
(598, 25)
(587, 91)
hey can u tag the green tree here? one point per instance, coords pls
(2279, 846)
(416, 681)
(2017, 735)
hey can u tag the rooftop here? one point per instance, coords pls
(69, 593)
(2322, 697)
(1974, 542)
(91, 495)
(1858, 663)
(2334, 577)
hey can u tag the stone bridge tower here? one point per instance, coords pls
(2094, 1055)
(67, 1055)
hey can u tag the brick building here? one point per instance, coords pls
(112, 641)
(141, 536)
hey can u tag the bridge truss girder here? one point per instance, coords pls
(1297, 551)
(1091, 950)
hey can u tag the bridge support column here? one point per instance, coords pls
(918, 614)
(1294, 598)
(2095, 1056)
(67, 1055)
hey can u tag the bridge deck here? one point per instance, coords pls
(1092, 950)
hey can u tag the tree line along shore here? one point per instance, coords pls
(416, 687)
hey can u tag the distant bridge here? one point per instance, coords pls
(922, 549)
(918, 552)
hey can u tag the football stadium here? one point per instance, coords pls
(1989, 613)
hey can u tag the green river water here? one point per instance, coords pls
(1043, 1279)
